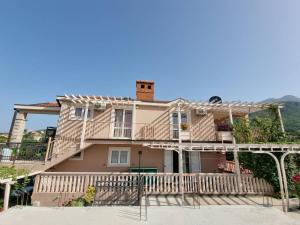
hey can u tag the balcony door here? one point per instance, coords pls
(122, 123)
(175, 123)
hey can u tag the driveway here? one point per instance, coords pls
(157, 215)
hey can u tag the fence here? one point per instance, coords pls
(20, 152)
(159, 183)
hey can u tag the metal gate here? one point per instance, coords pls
(121, 192)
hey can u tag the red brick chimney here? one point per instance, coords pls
(145, 90)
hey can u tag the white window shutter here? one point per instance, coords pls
(168, 162)
(195, 162)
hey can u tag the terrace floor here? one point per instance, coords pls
(163, 210)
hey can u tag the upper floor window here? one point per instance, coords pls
(78, 113)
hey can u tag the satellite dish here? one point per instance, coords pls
(215, 99)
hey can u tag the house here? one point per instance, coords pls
(99, 136)
(116, 129)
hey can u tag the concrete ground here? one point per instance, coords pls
(162, 210)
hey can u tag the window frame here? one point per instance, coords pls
(119, 149)
(73, 112)
(77, 158)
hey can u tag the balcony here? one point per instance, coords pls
(224, 132)
(149, 131)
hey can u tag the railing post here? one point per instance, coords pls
(48, 149)
(6, 195)
(36, 183)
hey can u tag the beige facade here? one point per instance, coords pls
(96, 159)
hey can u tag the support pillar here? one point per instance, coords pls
(236, 156)
(279, 177)
(280, 119)
(84, 125)
(180, 160)
(6, 195)
(286, 190)
(17, 128)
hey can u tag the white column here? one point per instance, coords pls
(133, 121)
(180, 160)
(6, 195)
(280, 119)
(17, 127)
(84, 125)
(236, 156)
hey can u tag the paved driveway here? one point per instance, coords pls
(158, 215)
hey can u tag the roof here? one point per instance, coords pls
(45, 104)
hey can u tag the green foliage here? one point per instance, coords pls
(11, 172)
(86, 200)
(89, 195)
(264, 129)
(3, 139)
(79, 202)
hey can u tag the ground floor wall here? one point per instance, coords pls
(96, 159)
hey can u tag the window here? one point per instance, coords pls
(79, 113)
(119, 156)
(78, 156)
(149, 86)
(142, 86)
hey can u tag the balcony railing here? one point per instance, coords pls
(149, 131)
(21, 152)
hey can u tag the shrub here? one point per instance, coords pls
(89, 195)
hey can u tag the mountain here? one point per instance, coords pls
(286, 98)
(290, 112)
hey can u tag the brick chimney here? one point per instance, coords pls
(145, 90)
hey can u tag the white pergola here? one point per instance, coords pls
(268, 149)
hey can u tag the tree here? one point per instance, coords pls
(264, 129)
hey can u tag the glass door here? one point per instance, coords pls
(175, 123)
(123, 123)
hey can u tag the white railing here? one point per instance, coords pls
(158, 183)
(148, 131)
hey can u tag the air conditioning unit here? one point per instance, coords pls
(201, 112)
(100, 106)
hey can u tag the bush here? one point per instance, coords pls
(89, 195)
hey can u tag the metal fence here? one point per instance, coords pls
(26, 151)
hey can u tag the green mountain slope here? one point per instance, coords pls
(291, 117)
(290, 113)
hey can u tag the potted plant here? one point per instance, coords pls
(184, 126)
(296, 180)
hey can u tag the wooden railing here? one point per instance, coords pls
(158, 183)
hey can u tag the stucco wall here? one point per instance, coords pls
(95, 159)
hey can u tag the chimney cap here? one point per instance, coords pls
(145, 81)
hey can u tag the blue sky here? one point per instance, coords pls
(239, 50)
